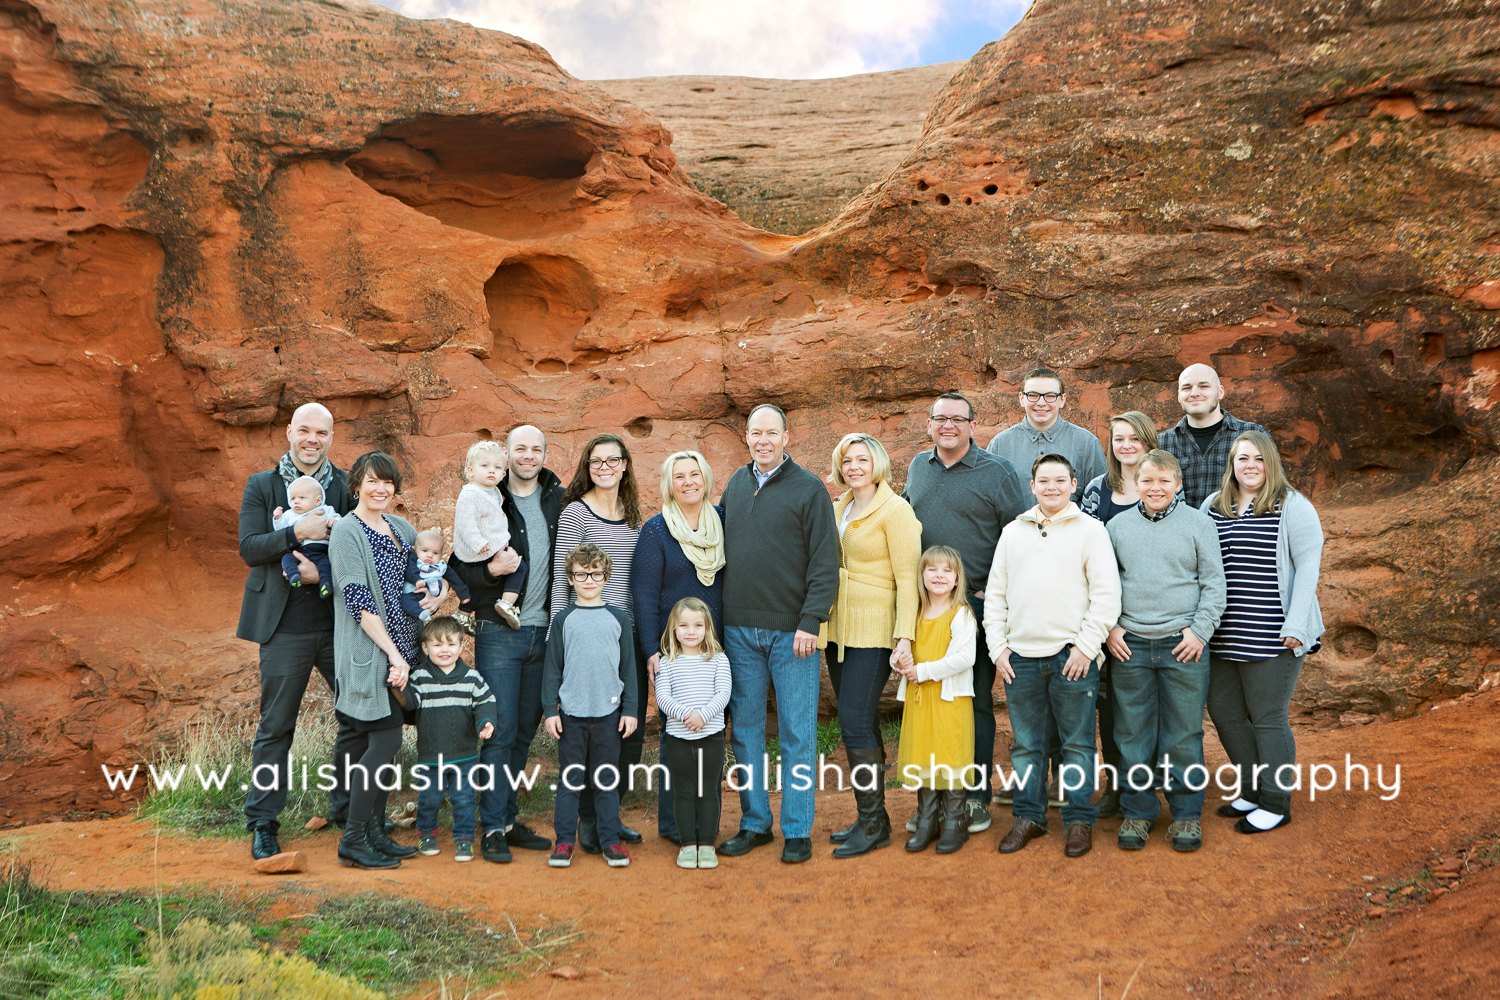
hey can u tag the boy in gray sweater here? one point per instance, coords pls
(590, 703)
(1172, 594)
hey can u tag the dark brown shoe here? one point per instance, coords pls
(1080, 840)
(1022, 831)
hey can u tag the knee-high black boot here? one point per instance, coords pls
(872, 829)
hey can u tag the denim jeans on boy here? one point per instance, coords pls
(762, 658)
(1039, 697)
(1159, 713)
(588, 744)
(452, 783)
(510, 661)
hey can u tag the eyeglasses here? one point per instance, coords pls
(582, 575)
(949, 421)
(1037, 397)
(613, 462)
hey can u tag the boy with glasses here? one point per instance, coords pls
(1043, 431)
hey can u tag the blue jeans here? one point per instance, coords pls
(510, 661)
(1038, 699)
(457, 789)
(759, 659)
(1159, 714)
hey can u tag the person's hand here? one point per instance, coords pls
(903, 650)
(652, 663)
(276, 514)
(979, 594)
(1289, 642)
(804, 643)
(694, 721)
(506, 562)
(487, 731)
(907, 670)
(554, 727)
(1077, 665)
(307, 568)
(431, 601)
(627, 726)
(1116, 644)
(312, 528)
(397, 675)
(1002, 665)
(1190, 649)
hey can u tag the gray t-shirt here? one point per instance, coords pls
(539, 560)
(591, 684)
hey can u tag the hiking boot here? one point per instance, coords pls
(463, 850)
(561, 857)
(978, 815)
(1186, 834)
(522, 836)
(427, 845)
(356, 852)
(616, 856)
(1133, 834)
(377, 838)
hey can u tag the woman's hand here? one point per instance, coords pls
(506, 562)
(1289, 642)
(651, 665)
(399, 672)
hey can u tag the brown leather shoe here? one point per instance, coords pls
(1021, 831)
(1080, 840)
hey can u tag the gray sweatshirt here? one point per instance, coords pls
(589, 671)
(1171, 572)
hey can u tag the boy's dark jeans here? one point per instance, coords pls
(454, 785)
(586, 746)
(697, 815)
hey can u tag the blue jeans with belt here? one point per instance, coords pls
(1159, 724)
(1039, 698)
(510, 661)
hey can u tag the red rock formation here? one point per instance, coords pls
(214, 213)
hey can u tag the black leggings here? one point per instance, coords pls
(697, 815)
(366, 798)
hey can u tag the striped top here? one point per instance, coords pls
(692, 684)
(579, 524)
(1251, 626)
(451, 708)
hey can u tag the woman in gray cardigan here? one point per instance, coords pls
(374, 644)
(1272, 543)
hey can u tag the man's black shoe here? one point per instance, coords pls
(522, 836)
(796, 850)
(630, 836)
(263, 842)
(588, 837)
(744, 842)
(494, 848)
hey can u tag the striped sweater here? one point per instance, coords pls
(450, 709)
(578, 524)
(689, 684)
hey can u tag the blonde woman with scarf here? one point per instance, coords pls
(680, 553)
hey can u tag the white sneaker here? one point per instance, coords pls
(687, 857)
(707, 856)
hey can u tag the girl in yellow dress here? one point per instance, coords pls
(937, 686)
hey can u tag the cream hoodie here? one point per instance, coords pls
(1048, 591)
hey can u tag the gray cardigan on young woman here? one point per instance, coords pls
(359, 666)
(1299, 554)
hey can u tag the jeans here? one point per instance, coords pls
(457, 789)
(858, 683)
(1160, 714)
(510, 661)
(287, 660)
(588, 752)
(1039, 697)
(1248, 703)
(760, 659)
(984, 708)
(688, 761)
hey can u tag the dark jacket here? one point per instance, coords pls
(781, 550)
(262, 545)
(484, 588)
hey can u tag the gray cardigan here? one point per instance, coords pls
(359, 666)
(1299, 554)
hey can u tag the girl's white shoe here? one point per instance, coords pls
(688, 858)
(707, 857)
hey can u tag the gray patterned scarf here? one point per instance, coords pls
(289, 471)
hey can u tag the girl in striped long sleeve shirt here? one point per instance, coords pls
(692, 690)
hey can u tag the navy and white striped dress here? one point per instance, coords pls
(1251, 627)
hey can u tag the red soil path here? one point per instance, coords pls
(1284, 915)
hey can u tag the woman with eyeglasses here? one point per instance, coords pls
(602, 505)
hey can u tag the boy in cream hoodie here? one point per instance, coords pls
(1052, 597)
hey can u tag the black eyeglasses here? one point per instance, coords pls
(946, 421)
(1037, 397)
(614, 462)
(581, 575)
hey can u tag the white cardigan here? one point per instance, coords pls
(956, 667)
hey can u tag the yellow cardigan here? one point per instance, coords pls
(878, 556)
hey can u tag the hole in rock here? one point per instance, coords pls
(1387, 362)
(968, 201)
(490, 145)
(484, 434)
(921, 185)
(1355, 642)
(551, 366)
(703, 90)
(640, 427)
(943, 199)
(1432, 348)
(190, 140)
(991, 188)
(537, 306)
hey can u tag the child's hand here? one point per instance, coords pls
(484, 551)
(694, 721)
(276, 514)
(554, 727)
(487, 731)
(627, 725)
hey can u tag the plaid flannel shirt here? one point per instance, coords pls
(1203, 471)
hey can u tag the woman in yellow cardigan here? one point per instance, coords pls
(880, 542)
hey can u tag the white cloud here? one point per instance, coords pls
(790, 39)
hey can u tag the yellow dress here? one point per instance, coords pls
(937, 736)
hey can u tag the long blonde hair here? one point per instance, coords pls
(936, 554)
(670, 650)
(1144, 429)
(1268, 497)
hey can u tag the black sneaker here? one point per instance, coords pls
(616, 856)
(494, 848)
(263, 842)
(522, 836)
(562, 856)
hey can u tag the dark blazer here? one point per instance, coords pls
(262, 546)
(484, 588)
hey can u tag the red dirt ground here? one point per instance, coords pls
(1283, 915)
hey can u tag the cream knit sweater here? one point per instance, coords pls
(878, 555)
(480, 528)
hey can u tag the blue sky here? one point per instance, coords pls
(790, 39)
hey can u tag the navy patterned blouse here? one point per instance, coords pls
(390, 566)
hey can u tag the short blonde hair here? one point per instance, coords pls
(880, 460)
(670, 650)
(666, 475)
(478, 448)
(1163, 460)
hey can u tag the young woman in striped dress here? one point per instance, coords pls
(1272, 543)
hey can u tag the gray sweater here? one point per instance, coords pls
(589, 671)
(1171, 573)
(1299, 557)
(359, 666)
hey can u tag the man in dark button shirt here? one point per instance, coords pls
(293, 625)
(1202, 439)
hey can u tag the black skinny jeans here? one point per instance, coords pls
(696, 812)
(858, 683)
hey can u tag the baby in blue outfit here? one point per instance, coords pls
(306, 499)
